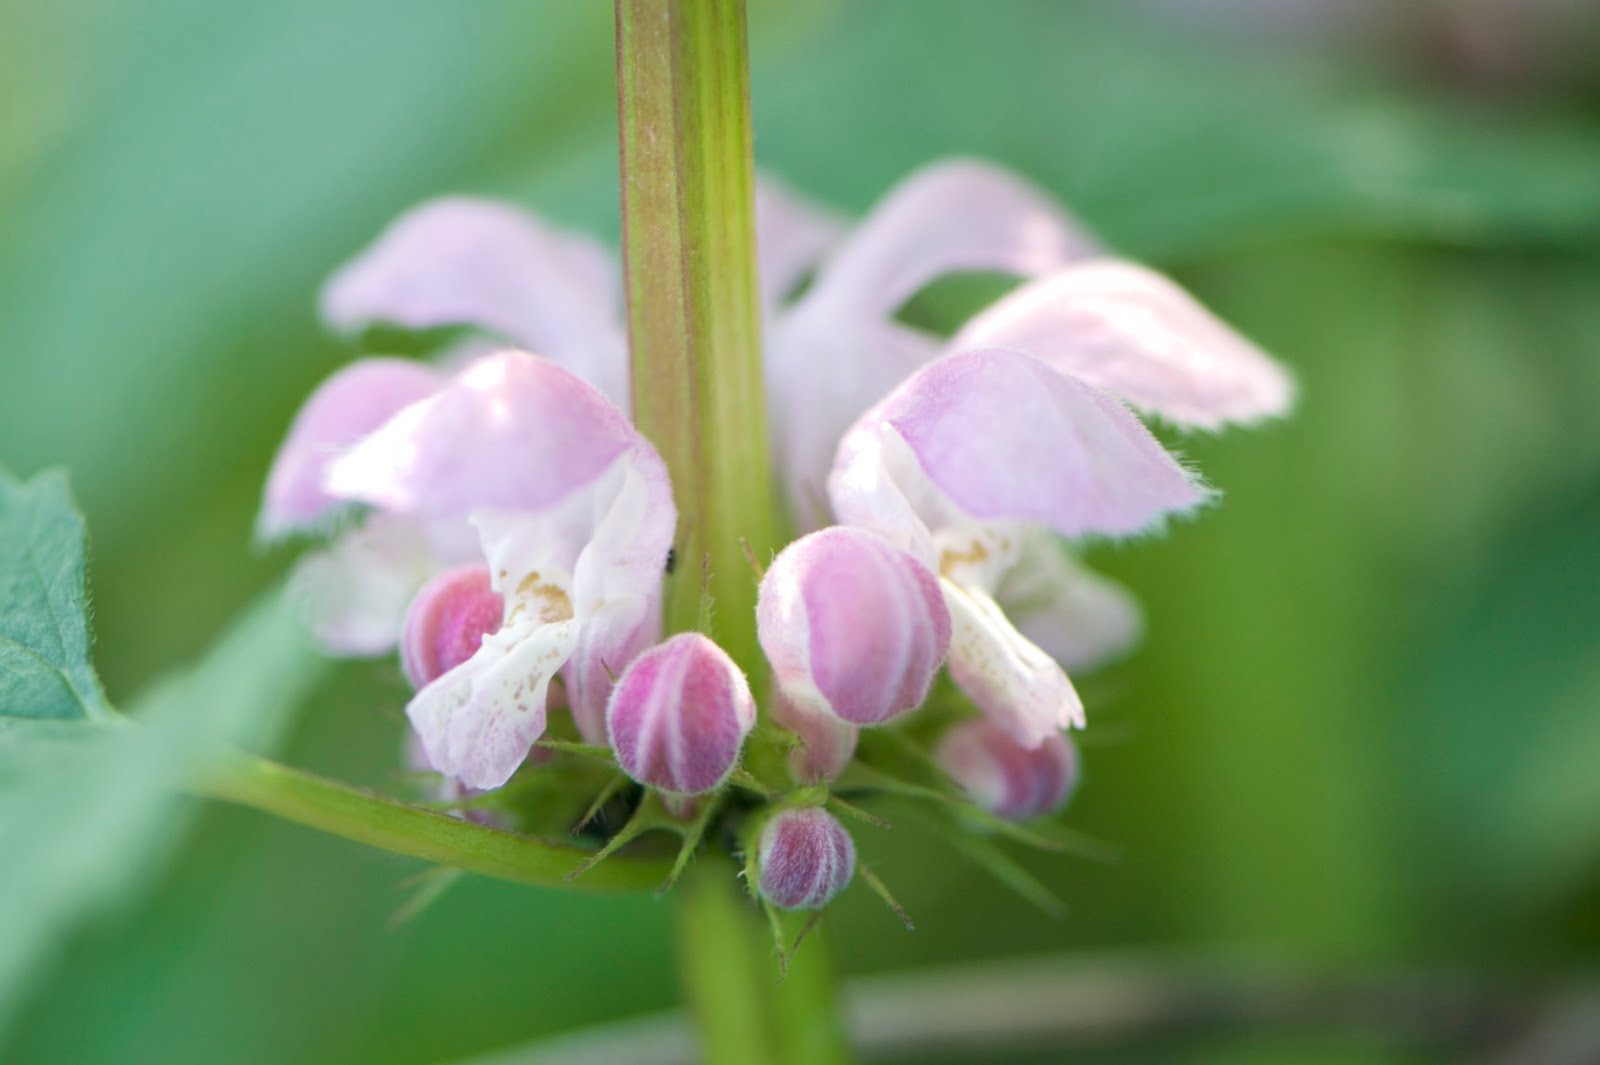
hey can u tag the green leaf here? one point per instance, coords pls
(89, 810)
(1507, 734)
(45, 670)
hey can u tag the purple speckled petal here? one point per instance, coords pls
(477, 721)
(852, 625)
(679, 716)
(1133, 333)
(343, 409)
(467, 261)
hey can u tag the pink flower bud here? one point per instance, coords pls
(447, 621)
(679, 714)
(852, 625)
(1004, 777)
(826, 743)
(805, 858)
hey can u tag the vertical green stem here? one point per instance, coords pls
(694, 327)
(726, 979)
(694, 331)
(744, 1012)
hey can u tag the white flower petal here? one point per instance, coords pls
(1017, 686)
(1078, 617)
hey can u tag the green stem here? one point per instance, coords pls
(694, 333)
(746, 1011)
(694, 326)
(420, 833)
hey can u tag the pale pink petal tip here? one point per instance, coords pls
(805, 858)
(1135, 334)
(511, 431)
(952, 216)
(679, 715)
(852, 625)
(1004, 777)
(447, 621)
(461, 260)
(1002, 435)
(344, 408)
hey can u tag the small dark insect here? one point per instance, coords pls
(672, 560)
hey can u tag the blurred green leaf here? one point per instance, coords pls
(1173, 151)
(1509, 734)
(88, 812)
(45, 670)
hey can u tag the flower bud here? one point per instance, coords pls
(805, 858)
(1004, 777)
(826, 743)
(852, 625)
(447, 621)
(679, 714)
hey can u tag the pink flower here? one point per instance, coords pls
(959, 470)
(839, 349)
(968, 459)
(574, 518)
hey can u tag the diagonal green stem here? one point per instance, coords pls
(420, 833)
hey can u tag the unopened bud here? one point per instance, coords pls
(679, 714)
(852, 625)
(447, 621)
(826, 743)
(805, 858)
(1004, 777)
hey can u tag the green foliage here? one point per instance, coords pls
(88, 810)
(45, 671)
(1515, 804)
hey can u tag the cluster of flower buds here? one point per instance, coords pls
(511, 527)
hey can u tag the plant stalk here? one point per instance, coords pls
(694, 320)
(694, 334)
(416, 832)
(746, 1009)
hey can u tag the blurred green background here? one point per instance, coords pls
(1365, 728)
